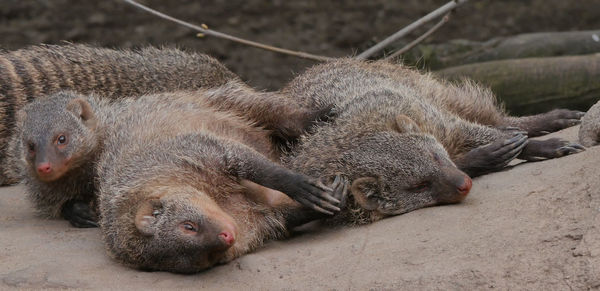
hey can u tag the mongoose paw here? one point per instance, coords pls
(79, 214)
(340, 189)
(318, 117)
(325, 114)
(313, 194)
(493, 156)
(287, 132)
(555, 120)
(570, 149)
(552, 148)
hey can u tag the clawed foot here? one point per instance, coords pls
(293, 127)
(312, 193)
(340, 190)
(318, 118)
(492, 157)
(554, 120)
(302, 215)
(552, 148)
(79, 214)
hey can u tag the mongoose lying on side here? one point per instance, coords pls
(589, 132)
(59, 138)
(477, 103)
(174, 187)
(401, 148)
(29, 73)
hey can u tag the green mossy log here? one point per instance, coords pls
(545, 44)
(534, 85)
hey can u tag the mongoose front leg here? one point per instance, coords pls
(79, 214)
(545, 123)
(549, 149)
(492, 157)
(272, 110)
(308, 191)
(244, 162)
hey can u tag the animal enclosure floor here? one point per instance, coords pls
(535, 226)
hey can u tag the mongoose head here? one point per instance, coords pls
(401, 170)
(180, 229)
(57, 134)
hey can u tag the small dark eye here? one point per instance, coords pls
(31, 147)
(61, 139)
(156, 212)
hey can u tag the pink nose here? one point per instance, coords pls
(465, 187)
(227, 238)
(44, 168)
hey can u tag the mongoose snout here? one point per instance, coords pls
(452, 185)
(227, 237)
(44, 169)
(465, 187)
(51, 161)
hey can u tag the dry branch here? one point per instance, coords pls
(204, 30)
(408, 29)
(544, 44)
(420, 38)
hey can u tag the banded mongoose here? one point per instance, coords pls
(36, 71)
(174, 183)
(60, 137)
(589, 132)
(27, 74)
(406, 140)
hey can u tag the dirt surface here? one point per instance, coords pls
(535, 227)
(320, 27)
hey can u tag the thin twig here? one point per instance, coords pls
(420, 38)
(204, 30)
(408, 29)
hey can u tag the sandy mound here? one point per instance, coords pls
(535, 226)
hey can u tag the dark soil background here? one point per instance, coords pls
(331, 28)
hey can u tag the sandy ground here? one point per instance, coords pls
(535, 226)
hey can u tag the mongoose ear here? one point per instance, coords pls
(80, 107)
(364, 190)
(403, 124)
(145, 217)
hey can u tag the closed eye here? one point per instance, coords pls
(189, 227)
(423, 186)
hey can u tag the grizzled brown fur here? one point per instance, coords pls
(404, 139)
(174, 185)
(589, 132)
(55, 176)
(27, 74)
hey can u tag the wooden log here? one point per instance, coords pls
(546, 44)
(534, 85)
